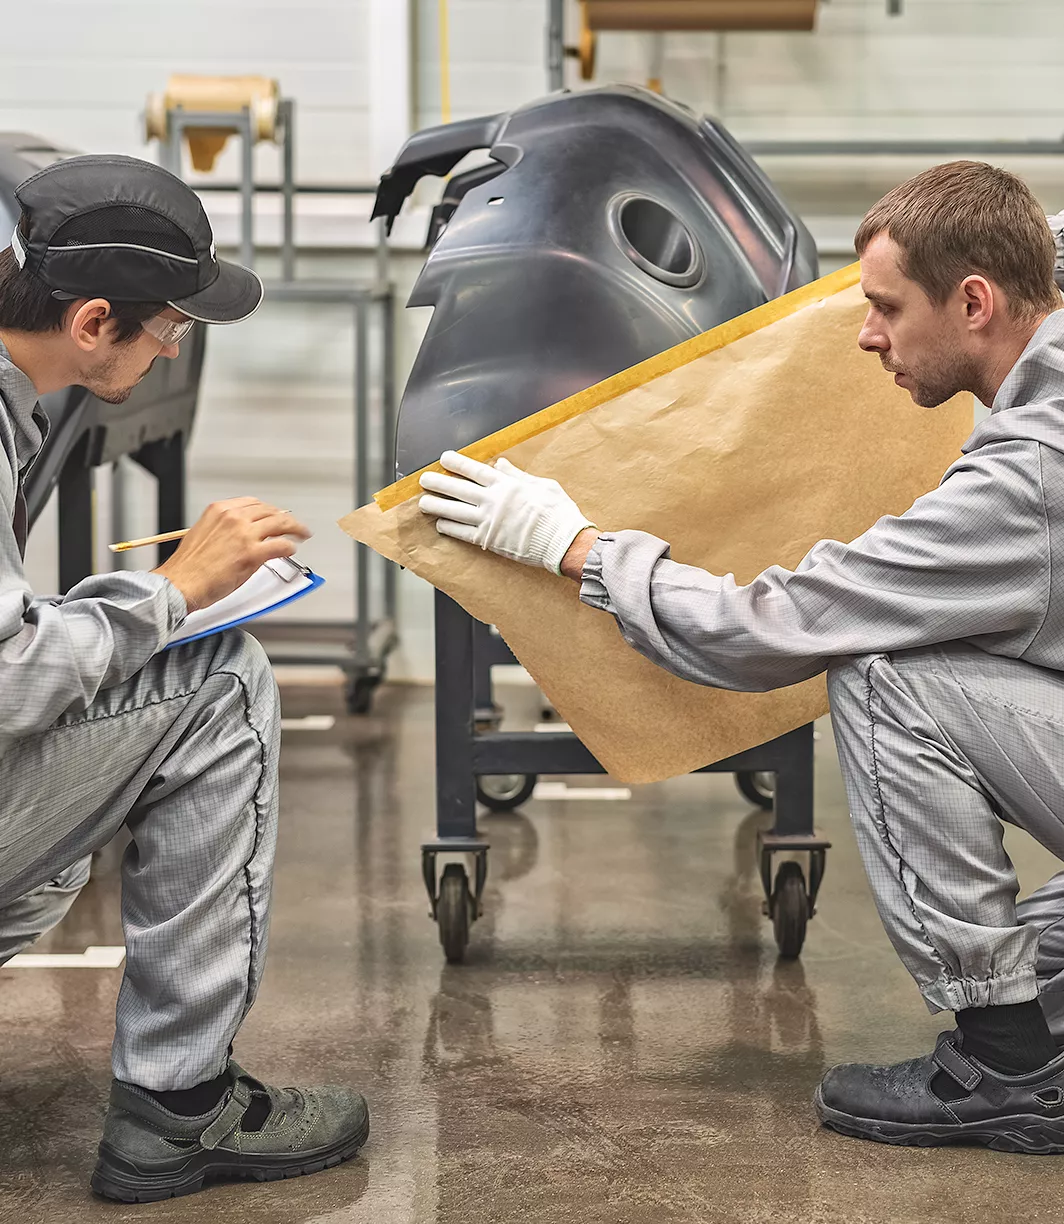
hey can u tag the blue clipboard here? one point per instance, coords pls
(316, 581)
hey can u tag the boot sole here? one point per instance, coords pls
(1016, 1133)
(117, 1178)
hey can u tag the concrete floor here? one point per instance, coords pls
(622, 1046)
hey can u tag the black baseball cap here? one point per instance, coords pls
(127, 230)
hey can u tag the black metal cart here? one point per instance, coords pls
(607, 226)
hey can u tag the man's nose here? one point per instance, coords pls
(871, 338)
(170, 350)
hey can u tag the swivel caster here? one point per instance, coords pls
(455, 906)
(790, 907)
(789, 901)
(453, 916)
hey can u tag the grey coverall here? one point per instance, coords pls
(98, 728)
(942, 632)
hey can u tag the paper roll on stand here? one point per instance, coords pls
(700, 14)
(260, 96)
(661, 15)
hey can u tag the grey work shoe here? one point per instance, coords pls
(148, 1153)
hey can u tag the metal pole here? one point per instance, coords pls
(362, 492)
(288, 254)
(169, 468)
(247, 191)
(455, 786)
(76, 518)
(120, 529)
(794, 782)
(656, 77)
(383, 253)
(171, 146)
(388, 424)
(556, 45)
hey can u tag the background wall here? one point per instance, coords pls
(276, 415)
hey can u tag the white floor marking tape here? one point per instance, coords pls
(559, 790)
(91, 958)
(310, 722)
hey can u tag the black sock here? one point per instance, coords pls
(1012, 1039)
(191, 1102)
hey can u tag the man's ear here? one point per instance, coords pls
(977, 295)
(86, 321)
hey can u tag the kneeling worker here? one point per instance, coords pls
(111, 263)
(943, 638)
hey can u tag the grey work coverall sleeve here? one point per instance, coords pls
(969, 560)
(57, 654)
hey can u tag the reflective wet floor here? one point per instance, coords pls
(622, 1044)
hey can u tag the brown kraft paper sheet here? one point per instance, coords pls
(742, 447)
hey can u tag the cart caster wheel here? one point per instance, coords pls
(790, 910)
(453, 912)
(504, 792)
(759, 788)
(359, 693)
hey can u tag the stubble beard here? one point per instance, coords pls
(98, 384)
(955, 372)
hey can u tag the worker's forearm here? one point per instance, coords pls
(573, 561)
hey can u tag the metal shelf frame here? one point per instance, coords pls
(371, 640)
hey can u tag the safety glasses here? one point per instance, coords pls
(168, 331)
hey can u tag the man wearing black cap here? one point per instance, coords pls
(111, 263)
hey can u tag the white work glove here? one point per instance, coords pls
(523, 517)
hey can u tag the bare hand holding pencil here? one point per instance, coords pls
(227, 544)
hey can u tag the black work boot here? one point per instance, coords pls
(898, 1104)
(148, 1153)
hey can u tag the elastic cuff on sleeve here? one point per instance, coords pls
(176, 606)
(592, 589)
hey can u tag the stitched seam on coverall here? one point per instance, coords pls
(884, 832)
(83, 722)
(1049, 551)
(253, 926)
(1036, 715)
(253, 939)
(995, 699)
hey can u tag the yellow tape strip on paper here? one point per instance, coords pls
(497, 443)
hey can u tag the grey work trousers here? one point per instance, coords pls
(938, 746)
(185, 754)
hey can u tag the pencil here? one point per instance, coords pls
(165, 538)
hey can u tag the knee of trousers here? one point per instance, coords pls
(239, 654)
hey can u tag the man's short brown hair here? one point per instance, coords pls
(966, 218)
